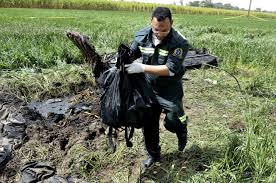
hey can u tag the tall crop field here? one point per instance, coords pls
(121, 6)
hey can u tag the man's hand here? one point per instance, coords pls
(135, 67)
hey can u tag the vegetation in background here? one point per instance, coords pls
(210, 4)
(231, 133)
(120, 6)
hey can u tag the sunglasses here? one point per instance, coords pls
(160, 33)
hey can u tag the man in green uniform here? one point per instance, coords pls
(161, 51)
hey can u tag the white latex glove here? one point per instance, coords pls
(112, 69)
(135, 67)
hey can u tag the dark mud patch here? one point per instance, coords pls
(51, 106)
(52, 127)
(9, 98)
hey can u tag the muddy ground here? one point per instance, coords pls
(73, 120)
(68, 135)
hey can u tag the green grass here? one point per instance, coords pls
(231, 134)
(245, 45)
(237, 124)
(61, 80)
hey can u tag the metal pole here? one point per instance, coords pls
(249, 8)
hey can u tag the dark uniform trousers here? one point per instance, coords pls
(174, 111)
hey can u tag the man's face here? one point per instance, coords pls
(162, 28)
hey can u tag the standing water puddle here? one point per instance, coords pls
(56, 106)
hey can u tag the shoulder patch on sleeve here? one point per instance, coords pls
(178, 52)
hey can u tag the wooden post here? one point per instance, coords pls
(249, 8)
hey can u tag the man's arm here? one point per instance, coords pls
(159, 70)
(176, 58)
(172, 67)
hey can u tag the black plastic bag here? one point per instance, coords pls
(35, 172)
(135, 94)
(125, 100)
(126, 97)
(111, 99)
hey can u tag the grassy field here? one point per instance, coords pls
(231, 134)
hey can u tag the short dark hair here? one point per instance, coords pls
(161, 13)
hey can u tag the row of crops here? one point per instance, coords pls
(119, 6)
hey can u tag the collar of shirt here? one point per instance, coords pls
(155, 41)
